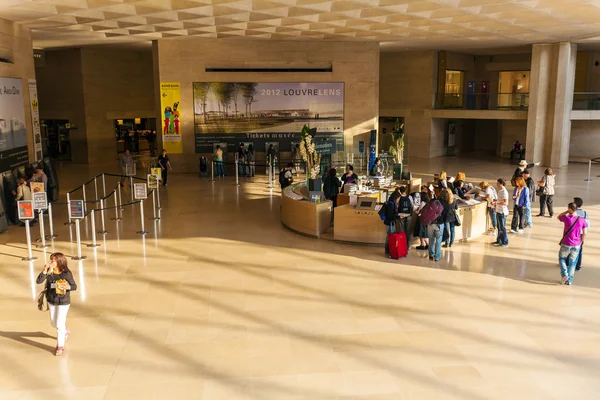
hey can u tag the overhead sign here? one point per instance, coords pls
(25, 210)
(140, 191)
(40, 201)
(76, 209)
(152, 181)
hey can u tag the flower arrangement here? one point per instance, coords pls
(308, 151)
(397, 149)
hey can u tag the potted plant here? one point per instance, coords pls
(397, 148)
(309, 154)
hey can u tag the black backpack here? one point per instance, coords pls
(405, 206)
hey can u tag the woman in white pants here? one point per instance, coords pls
(59, 284)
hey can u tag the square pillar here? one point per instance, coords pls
(550, 103)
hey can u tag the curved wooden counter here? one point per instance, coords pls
(301, 215)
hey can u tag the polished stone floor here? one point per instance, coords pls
(220, 302)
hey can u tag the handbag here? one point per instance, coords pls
(40, 301)
(457, 221)
(568, 230)
(540, 189)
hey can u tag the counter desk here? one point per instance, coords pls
(358, 225)
(303, 216)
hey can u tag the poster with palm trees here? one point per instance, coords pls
(228, 108)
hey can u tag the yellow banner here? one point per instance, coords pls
(170, 96)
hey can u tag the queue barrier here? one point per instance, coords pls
(92, 213)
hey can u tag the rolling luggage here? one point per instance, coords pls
(431, 212)
(397, 245)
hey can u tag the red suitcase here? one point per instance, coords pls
(431, 212)
(397, 245)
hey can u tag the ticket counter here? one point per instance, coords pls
(353, 224)
(303, 216)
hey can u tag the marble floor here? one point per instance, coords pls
(221, 302)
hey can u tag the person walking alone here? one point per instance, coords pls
(165, 165)
(574, 234)
(59, 284)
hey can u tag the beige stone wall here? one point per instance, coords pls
(117, 84)
(585, 139)
(354, 63)
(15, 45)
(407, 82)
(60, 93)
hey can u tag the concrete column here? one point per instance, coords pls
(550, 103)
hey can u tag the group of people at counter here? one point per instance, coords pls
(401, 207)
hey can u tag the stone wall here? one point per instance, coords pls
(354, 63)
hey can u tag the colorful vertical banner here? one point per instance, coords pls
(170, 96)
(35, 119)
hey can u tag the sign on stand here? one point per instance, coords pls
(152, 181)
(140, 191)
(40, 201)
(25, 210)
(156, 171)
(76, 209)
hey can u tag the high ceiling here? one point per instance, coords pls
(451, 24)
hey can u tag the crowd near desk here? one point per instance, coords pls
(301, 215)
(358, 225)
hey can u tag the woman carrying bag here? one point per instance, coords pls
(59, 283)
(546, 192)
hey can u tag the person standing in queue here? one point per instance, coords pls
(219, 161)
(435, 230)
(501, 204)
(406, 208)
(450, 222)
(165, 166)
(390, 215)
(251, 161)
(59, 284)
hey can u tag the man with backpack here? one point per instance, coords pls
(406, 208)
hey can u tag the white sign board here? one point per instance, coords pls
(40, 201)
(152, 181)
(140, 191)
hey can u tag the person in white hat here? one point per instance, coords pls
(519, 171)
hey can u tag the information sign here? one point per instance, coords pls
(152, 181)
(140, 191)
(361, 146)
(36, 187)
(76, 209)
(156, 171)
(40, 201)
(25, 210)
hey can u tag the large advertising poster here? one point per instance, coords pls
(170, 97)
(13, 131)
(35, 119)
(234, 112)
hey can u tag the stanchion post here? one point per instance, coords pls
(96, 189)
(70, 222)
(116, 218)
(94, 242)
(120, 194)
(30, 256)
(51, 221)
(103, 186)
(131, 186)
(154, 218)
(237, 170)
(42, 231)
(158, 199)
(212, 171)
(78, 236)
(589, 178)
(143, 231)
(84, 199)
(269, 165)
(103, 231)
